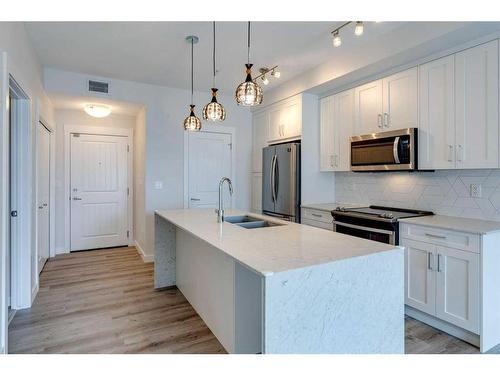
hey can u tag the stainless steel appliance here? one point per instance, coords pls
(281, 181)
(386, 151)
(375, 223)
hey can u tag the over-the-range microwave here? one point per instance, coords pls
(385, 151)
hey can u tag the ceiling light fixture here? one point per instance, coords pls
(337, 40)
(265, 81)
(249, 93)
(97, 110)
(192, 123)
(358, 30)
(265, 72)
(276, 73)
(214, 111)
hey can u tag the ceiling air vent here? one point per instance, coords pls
(97, 86)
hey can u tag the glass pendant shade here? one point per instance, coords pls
(192, 123)
(249, 93)
(214, 111)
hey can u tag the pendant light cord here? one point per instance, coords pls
(248, 50)
(214, 57)
(192, 69)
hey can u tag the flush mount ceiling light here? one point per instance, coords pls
(249, 93)
(97, 110)
(358, 31)
(214, 111)
(192, 123)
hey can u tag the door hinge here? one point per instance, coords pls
(13, 213)
(76, 135)
(230, 146)
(128, 191)
(128, 148)
(128, 234)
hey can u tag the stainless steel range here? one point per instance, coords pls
(375, 223)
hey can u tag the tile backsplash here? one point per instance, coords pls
(443, 192)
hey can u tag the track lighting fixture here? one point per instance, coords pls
(266, 72)
(358, 31)
(276, 73)
(265, 81)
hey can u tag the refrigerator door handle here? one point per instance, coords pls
(276, 179)
(271, 178)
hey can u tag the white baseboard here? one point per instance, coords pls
(145, 258)
(61, 250)
(450, 329)
(34, 292)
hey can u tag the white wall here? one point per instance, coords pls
(165, 110)
(22, 63)
(76, 117)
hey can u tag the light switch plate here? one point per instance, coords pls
(158, 185)
(475, 190)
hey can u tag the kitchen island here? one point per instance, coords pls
(284, 287)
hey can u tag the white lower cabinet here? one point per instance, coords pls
(443, 282)
(257, 192)
(317, 218)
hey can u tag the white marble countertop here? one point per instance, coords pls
(460, 224)
(328, 206)
(272, 249)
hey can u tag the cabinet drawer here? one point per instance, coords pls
(317, 215)
(318, 224)
(458, 240)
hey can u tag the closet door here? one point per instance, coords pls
(476, 107)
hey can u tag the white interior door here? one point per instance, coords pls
(99, 214)
(210, 159)
(43, 195)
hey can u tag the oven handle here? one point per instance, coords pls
(363, 228)
(395, 150)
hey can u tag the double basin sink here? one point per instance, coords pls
(249, 222)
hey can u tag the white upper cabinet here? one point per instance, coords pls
(400, 100)
(336, 126)
(285, 120)
(459, 126)
(368, 107)
(437, 114)
(260, 127)
(326, 146)
(476, 106)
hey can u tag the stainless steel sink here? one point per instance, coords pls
(249, 222)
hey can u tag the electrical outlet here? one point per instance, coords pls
(475, 190)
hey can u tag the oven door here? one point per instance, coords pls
(374, 234)
(394, 150)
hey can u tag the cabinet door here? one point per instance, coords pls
(420, 279)
(457, 288)
(291, 119)
(326, 135)
(368, 108)
(437, 114)
(260, 129)
(275, 126)
(343, 121)
(257, 192)
(400, 95)
(476, 116)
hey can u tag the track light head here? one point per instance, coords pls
(337, 41)
(358, 30)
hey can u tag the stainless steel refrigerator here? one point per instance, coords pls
(281, 181)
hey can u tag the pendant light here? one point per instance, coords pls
(214, 111)
(192, 123)
(248, 93)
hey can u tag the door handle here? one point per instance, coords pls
(450, 153)
(45, 205)
(271, 178)
(77, 199)
(395, 150)
(276, 180)
(379, 121)
(439, 263)
(386, 120)
(40, 207)
(429, 262)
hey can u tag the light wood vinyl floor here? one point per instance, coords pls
(103, 301)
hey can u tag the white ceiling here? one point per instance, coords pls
(60, 101)
(156, 52)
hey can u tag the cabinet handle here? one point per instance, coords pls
(439, 263)
(316, 215)
(435, 236)
(386, 120)
(450, 152)
(429, 264)
(331, 160)
(195, 199)
(460, 151)
(379, 121)
(336, 160)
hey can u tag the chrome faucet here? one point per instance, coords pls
(220, 210)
